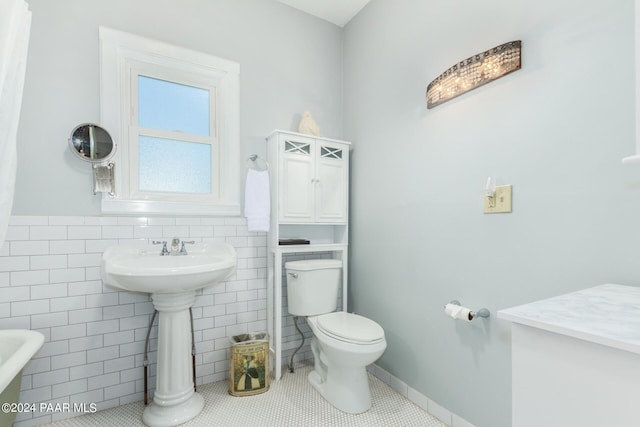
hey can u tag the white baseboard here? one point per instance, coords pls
(440, 412)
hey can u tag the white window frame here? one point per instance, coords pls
(122, 57)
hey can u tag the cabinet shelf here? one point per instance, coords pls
(312, 247)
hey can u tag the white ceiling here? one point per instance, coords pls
(339, 12)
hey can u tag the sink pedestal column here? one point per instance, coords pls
(174, 401)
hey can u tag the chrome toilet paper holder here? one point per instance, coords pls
(483, 312)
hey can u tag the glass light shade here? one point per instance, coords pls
(474, 72)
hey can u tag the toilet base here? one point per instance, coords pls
(340, 373)
(345, 389)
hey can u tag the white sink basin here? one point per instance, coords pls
(140, 268)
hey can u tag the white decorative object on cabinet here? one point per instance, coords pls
(310, 199)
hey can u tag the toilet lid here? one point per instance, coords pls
(350, 327)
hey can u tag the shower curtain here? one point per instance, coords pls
(15, 25)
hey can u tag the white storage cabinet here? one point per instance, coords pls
(309, 178)
(313, 179)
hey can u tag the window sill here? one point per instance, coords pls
(152, 207)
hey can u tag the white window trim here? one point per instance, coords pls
(118, 51)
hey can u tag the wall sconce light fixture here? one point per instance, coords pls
(474, 72)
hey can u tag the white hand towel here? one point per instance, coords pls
(257, 202)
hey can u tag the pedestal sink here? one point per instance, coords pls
(172, 282)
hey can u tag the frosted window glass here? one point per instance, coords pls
(173, 107)
(174, 166)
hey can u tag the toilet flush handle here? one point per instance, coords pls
(294, 275)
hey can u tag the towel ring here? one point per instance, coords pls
(253, 158)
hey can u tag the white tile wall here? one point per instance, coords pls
(94, 335)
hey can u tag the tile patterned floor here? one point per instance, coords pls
(289, 402)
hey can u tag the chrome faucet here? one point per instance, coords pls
(175, 243)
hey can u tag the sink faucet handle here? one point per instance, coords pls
(164, 251)
(183, 250)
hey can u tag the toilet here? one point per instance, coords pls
(343, 344)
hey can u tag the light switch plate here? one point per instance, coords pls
(500, 202)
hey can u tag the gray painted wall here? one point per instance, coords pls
(556, 130)
(289, 62)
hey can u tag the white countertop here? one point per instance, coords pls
(606, 314)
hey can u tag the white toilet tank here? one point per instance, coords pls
(312, 286)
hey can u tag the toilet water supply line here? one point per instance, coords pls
(295, 323)
(146, 359)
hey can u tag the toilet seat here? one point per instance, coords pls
(350, 328)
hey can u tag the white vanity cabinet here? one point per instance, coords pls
(312, 178)
(576, 359)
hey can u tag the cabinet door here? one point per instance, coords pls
(297, 180)
(331, 186)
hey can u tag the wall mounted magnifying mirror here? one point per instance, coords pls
(93, 144)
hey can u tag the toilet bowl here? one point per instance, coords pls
(343, 343)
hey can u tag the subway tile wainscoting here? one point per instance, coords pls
(94, 335)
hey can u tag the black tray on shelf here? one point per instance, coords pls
(283, 242)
